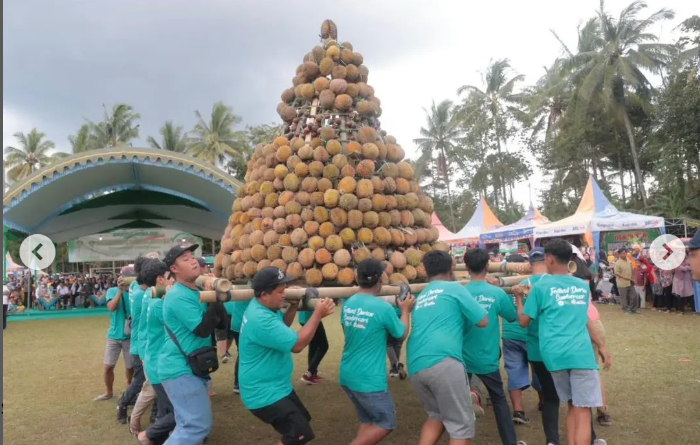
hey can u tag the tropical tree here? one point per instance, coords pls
(612, 68)
(438, 146)
(172, 138)
(254, 135)
(117, 128)
(80, 142)
(31, 154)
(496, 105)
(215, 140)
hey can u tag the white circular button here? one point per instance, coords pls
(667, 252)
(37, 252)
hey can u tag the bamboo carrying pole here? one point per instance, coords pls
(335, 292)
(523, 268)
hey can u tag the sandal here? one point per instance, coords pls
(604, 419)
(102, 398)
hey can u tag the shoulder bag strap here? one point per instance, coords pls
(174, 339)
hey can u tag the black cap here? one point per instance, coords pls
(695, 242)
(202, 262)
(369, 271)
(269, 278)
(175, 252)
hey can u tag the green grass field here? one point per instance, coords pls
(52, 370)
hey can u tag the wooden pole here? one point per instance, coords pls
(523, 268)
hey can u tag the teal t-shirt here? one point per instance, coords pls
(304, 317)
(512, 329)
(482, 346)
(532, 340)
(236, 309)
(265, 356)
(367, 321)
(135, 302)
(182, 313)
(560, 303)
(155, 333)
(441, 313)
(143, 322)
(118, 316)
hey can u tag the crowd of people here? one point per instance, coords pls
(637, 283)
(553, 340)
(61, 291)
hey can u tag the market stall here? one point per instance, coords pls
(483, 220)
(514, 237)
(595, 216)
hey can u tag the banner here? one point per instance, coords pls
(127, 244)
(509, 247)
(615, 240)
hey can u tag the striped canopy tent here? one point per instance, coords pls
(519, 230)
(483, 220)
(444, 231)
(595, 214)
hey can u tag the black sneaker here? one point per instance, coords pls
(520, 418)
(402, 371)
(121, 414)
(394, 371)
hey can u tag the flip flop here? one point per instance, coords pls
(102, 398)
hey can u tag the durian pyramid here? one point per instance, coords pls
(334, 189)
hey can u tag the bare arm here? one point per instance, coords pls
(406, 308)
(324, 307)
(291, 312)
(523, 320)
(113, 304)
(598, 341)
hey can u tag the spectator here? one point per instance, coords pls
(667, 302)
(623, 273)
(641, 274)
(5, 304)
(683, 286)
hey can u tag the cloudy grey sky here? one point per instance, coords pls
(167, 58)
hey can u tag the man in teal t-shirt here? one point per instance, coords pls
(442, 312)
(482, 346)
(266, 364)
(367, 322)
(136, 290)
(560, 303)
(191, 324)
(516, 360)
(236, 309)
(155, 273)
(118, 342)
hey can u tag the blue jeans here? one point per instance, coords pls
(193, 418)
(518, 367)
(375, 408)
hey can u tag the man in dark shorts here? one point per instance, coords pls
(266, 364)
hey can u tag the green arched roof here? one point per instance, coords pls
(102, 190)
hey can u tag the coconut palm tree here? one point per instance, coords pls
(612, 67)
(213, 141)
(173, 139)
(496, 101)
(80, 142)
(117, 129)
(438, 146)
(31, 154)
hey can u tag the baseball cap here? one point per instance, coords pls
(369, 271)
(536, 254)
(175, 252)
(695, 242)
(270, 278)
(202, 262)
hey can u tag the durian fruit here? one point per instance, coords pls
(333, 188)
